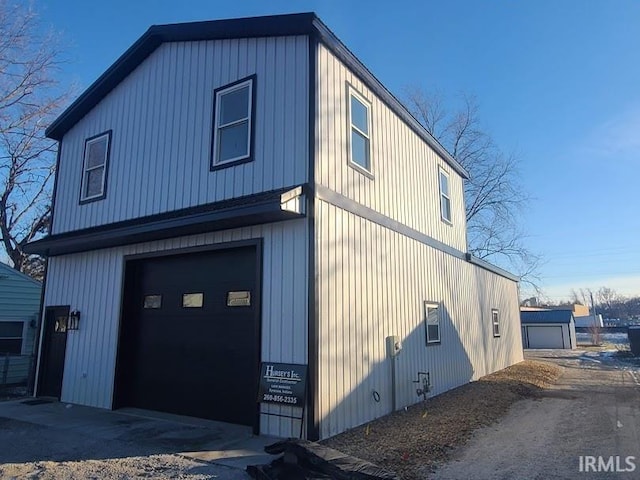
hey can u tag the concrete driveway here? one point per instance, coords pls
(587, 426)
(54, 440)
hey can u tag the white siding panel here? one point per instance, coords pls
(161, 116)
(92, 283)
(372, 284)
(405, 169)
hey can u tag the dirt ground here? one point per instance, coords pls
(533, 420)
(413, 442)
(593, 410)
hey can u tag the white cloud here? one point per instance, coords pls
(617, 136)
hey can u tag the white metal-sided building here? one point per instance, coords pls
(242, 191)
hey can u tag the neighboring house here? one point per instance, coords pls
(548, 329)
(589, 321)
(19, 309)
(238, 191)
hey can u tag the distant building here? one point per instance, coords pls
(589, 321)
(548, 329)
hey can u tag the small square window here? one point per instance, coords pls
(445, 199)
(359, 128)
(152, 301)
(432, 322)
(192, 300)
(233, 123)
(94, 170)
(495, 318)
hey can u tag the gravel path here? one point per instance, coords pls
(33, 451)
(413, 442)
(148, 467)
(593, 410)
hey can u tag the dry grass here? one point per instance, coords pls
(413, 441)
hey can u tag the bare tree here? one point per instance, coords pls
(29, 99)
(494, 197)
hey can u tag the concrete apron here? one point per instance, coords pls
(205, 440)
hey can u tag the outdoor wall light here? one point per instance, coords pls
(74, 320)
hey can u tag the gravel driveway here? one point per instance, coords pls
(52, 441)
(594, 410)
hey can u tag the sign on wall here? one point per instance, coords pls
(283, 384)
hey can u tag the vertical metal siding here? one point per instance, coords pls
(405, 187)
(161, 116)
(91, 282)
(372, 284)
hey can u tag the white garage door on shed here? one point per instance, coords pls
(545, 336)
(548, 329)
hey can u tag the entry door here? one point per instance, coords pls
(189, 341)
(54, 346)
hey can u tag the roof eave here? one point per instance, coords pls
(267, 26)
(156, 35)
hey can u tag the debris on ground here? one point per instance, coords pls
(303, 459)
(416, 440)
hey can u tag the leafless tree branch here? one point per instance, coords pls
(30, 97)
(494, 195)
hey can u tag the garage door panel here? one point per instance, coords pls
(200, 361)
(546, 336)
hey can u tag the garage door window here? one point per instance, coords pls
(11, 337)
(192, 300)
(152, 301)
(495, 318)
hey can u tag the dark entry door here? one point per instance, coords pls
(189, 341)
(53, 351)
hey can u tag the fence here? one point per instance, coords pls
(16, 370)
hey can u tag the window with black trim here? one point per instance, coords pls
(11, 337)
(233, 123)
(94, 167)
(445, 199)
(495, 319)
(432, 322)
(359, 131)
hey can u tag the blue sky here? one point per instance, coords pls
(557, 82)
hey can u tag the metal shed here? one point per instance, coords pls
(548, 329)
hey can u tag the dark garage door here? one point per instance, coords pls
(190, 337)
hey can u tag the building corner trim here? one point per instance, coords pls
(313, 327)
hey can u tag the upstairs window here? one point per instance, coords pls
(432, 322)
(11, 337)
(233, 123)
(445, 199)
(496, 322)
(359, 122)
(94, 170)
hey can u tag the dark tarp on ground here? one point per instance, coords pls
(307, 460)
